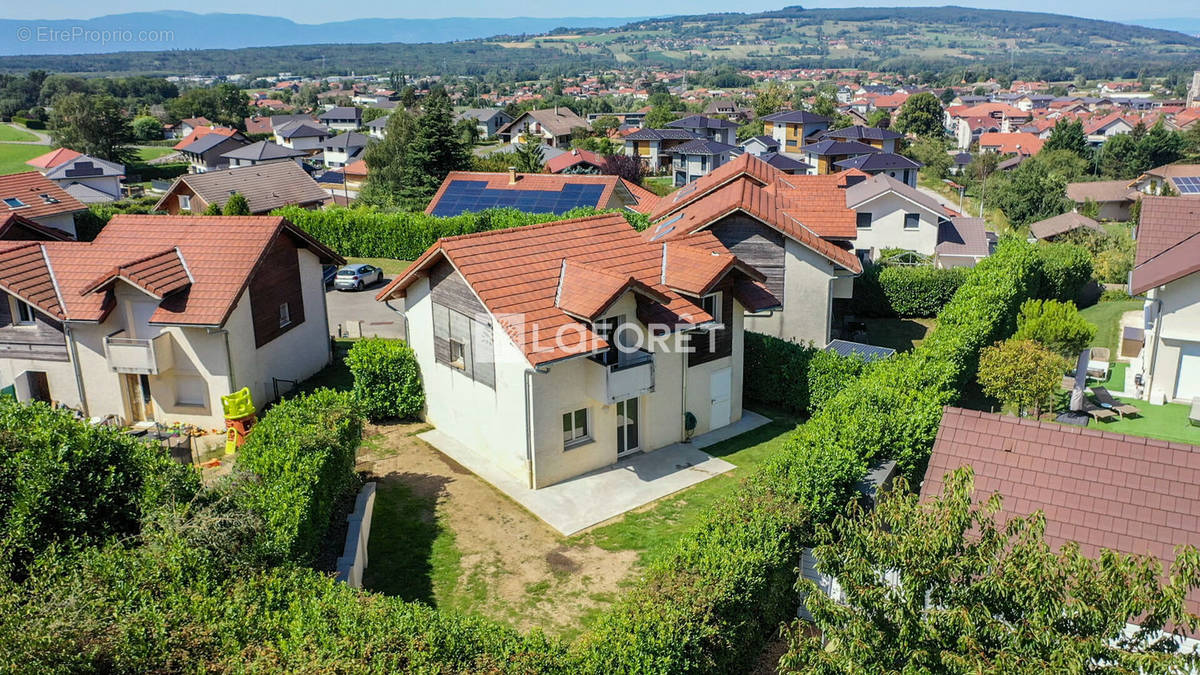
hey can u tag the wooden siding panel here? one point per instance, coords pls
(277, 281)
(757, 245)
(447, 287)
(720, 345)
(42, 341)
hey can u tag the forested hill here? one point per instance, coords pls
(910, 39)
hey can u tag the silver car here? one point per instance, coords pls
(356, 277)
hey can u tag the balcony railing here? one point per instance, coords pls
(140, 356)
(632, 375)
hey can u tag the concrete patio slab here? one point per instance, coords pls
(581, 502)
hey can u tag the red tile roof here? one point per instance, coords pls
(586, 291)
(29, 188)
(576, 156)
(53, 158)
(743, 165)
(1103, 490)
(218, 254)
(1165, 221)
(517, 273)
(1019, 142)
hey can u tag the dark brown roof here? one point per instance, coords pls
(1061, 224)
(558, 121)
(19, 228)
(265, 186)
(963, 237)
(1101, 191)
(1174, 263)
(1103, 490)
(1164, 222)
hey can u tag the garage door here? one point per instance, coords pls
(1187, 385)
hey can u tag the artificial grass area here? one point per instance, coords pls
(1168, 422)
(13, 156)
(1106, 316)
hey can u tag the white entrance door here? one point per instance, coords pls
(1187, 382)
(720, 383)
(627, 426)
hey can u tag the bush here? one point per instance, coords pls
(1055, 325)
(387, 381)
(66, 482)
(775, 372)
(300, 457)
(828, 374)
(919, 291)
(1021, 373)
(1065, 269)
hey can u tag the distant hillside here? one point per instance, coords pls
(153, 31)
(912, 39)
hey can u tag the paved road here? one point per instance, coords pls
(378, 320)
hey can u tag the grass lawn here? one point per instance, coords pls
(653, 529)
(1106, 316)
(14, 156)
(659, 185)
(148, 153)
(8, 133)
(390, 266)
(994, 217)
(900, 334)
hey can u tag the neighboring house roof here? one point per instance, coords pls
(878, 161)
(1164, 222)
(29, 188)
(265, 186)
(347, 140)
(702, 146)
(1102, 490)
(520, 275)
(1172, 171)
(15, 227)
(648, 134)
(865, 351)
(795, 117)
(1022, 143)
(963, 237)
(558, 121)
(356, 168)
(300, 129)
(783, 162)
(84, 166)
(742, 165)
(701, 122)
(198, 265)
(548, 152)
(196, 122)
(471, 191)
(339, 113)
(266, 124)
(880, 184)
(833, 147)
(202, 132)
(263, 151)
(572, 158)
(53, 158)
(481, 114)
(88, 194)
(1175, 262)
(766, 141)
(1061, 224)
(962, 158)
(1102, 191)
(859, 133)
(377, 123)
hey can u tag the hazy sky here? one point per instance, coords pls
(319, 11)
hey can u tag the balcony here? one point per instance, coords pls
(139, 356)
(632, 375)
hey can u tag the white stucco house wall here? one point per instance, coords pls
(890, 214)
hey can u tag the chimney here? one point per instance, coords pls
(512, 175)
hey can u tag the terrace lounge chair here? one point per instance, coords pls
(1106, 400)
(1194, 413)
(1097, 412)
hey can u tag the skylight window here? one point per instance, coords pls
(48, 199)
(14, 203)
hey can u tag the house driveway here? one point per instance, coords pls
(592, 498)
(358, 311)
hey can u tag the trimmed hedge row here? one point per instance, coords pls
(774, 372)
(367, 233)
(919, 291)
(300, 456)
(387, 379)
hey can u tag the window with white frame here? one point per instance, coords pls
(711, 304)
(576, 428)
(912, 221)
(185, 202)
(285, 315)
(24, 313)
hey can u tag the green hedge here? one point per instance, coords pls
(774, 372)
(919, 291)
(367, 233)
(300, 457)
(828, 374)
(387, 380)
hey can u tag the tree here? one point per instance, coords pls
(1057, 326)
(147, 128)
(771, 99)
(604, 124)
(372, 114)
(385, 162)
(625, 166)
(528, 156)
(223, 104)
(213, 209)
(931, 152)
(947, 586)
(659, 116)
(94, 125)
(237, 205)
(1021, 373)
(434, 151)
(1037, 188)
(922, 115)
(1067, 135)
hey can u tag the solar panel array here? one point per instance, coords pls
(1188, 185)
(469, 196)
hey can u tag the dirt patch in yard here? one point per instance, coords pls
(444, 536)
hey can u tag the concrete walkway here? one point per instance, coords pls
(592, 498)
